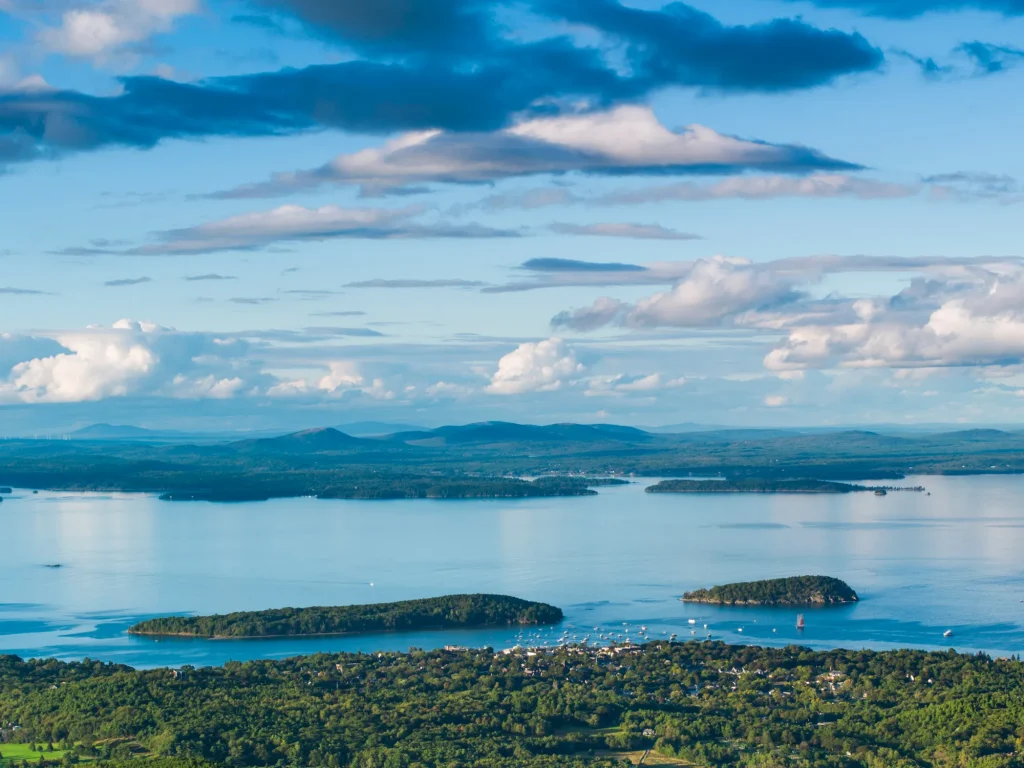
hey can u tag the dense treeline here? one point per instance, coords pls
(451, 612)
(707, 703)
(796, 590)
(383, 487)
(753, 485)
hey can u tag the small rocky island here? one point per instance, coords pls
(794, 591)
(451, 612)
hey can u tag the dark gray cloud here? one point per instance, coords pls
(8, 291)
(990, 59)
(682, 45)
(359, 96)
(252, 301)
(381, 283)
(908, 9)
(572, 265)
(465, 76)
(438, 27)
(930, 68)
(126, 281)
(974, 185)
(82, 250)
(213, 276)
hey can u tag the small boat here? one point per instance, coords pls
(691, 621)
(948, 633)
(800, 621)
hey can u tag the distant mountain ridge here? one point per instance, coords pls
(121, 432)
(377, 428)
(306, 441)
(495, 432)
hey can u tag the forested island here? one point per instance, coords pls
(702, 704)
(754, 485)
(451, 612)
(794, 591)
(383, 487)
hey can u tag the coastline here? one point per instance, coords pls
(190, 636)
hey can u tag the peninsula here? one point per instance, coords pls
(451, 612)
(795, 591)
(754, 485)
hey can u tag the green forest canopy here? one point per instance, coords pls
(797, 590)
(707, 703)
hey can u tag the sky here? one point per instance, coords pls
(274, 214)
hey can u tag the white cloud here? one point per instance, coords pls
(799, 270)
(98, 30)
(448, 389)
(770, 187)
(621, 384)
(628, 139)
(776, 401)
(633, 231)
(130, 358)
(207, 388)
(342, 377)
(714, 291)
(822, 185)
(288, 223)
(603, 311)
(973, 325)
(544, 366)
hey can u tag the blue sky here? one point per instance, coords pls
(283, 213)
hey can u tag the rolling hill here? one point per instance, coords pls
(501, 432)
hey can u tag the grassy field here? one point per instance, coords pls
(12, 752)
(652, 758)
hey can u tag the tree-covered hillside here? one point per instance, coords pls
(701, 703)
(797, 590)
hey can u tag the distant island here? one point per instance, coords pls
(451, 612)
(755, 485)
(382, 487)
(795, 591)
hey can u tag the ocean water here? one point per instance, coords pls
(922, 564)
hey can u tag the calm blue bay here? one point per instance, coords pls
(922, 565)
